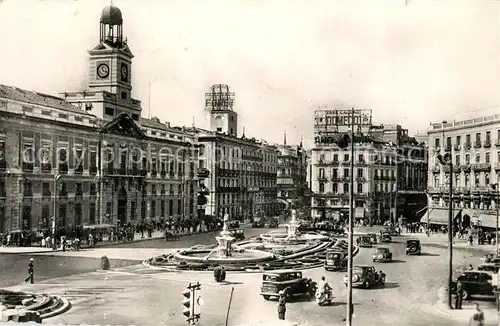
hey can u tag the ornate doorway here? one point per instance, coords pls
(122, 207)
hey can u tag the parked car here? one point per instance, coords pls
(336, 260)
(365, 276)
(413, 247)
(274, 223)
(373, 237)
(291, 282)
(258, 223)
(235, 224)
(385, 237)
(491, 269)
(364, 241)
(238, 234)
(475, 283)
(393, 231)
(382, 254)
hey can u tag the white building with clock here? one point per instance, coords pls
(110, 82)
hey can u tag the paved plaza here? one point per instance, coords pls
(136, 294)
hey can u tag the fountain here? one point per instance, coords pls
(292, 235)
(272, 250)
(292, 228)
(225, 241)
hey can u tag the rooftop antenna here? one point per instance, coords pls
(243, 132)
(301, 136)
(194, 125)
(284, 139)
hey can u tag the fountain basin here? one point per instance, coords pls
(237, 256)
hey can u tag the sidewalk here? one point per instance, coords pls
(468, 308)
(137, 238)
(441, 241)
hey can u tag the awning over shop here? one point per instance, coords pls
(438, 216)
(488, 220)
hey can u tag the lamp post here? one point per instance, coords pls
(446, 160)
(342, 141)
(56, 178)
(497, 195)
(351, 218)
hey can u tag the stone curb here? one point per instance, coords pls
(66, 305)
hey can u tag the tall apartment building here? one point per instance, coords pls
(389, 169)
(89, 154)
(291, 175)
(474, 146)
(242, 171)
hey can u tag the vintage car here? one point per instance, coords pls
(336, 260)
(258, 222)
(365, 276)
(475, 283)
(235, 224)
(385, 237)
(393, 231)
(491, 258)
(364, 241)
(373, 237)
(291, 282)
(274, 223)
(382, 254)
(413, 247)
(238, 234)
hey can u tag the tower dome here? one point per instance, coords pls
(111, 15)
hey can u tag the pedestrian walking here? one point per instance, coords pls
(31, 272)
(281, 305)
(458, 295)
(477, 319)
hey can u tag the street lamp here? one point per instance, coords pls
(445, 159)
(497, 202)
(56, 178)
(342, 141)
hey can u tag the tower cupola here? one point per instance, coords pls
(111, 26)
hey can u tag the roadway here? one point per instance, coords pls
(14, 267)
(139, 295)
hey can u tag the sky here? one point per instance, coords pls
(412, 64)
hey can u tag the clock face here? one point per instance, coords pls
(124, 73)
(103, 70)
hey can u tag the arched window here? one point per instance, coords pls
(335, 188)
(486, 179)
(467, 181)
(436, 181)
(321, 187)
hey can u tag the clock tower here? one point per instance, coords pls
(110, 79)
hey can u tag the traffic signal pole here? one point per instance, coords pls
(350, 235)
(189, 301)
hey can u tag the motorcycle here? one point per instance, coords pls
(324, 299)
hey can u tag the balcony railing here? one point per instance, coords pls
(468, 146)
(93, 169)
(457, 147)
(63, 168)
(46, 167)
(163, 173)
(144, 172)
(477, 144)
(203, 173)
(323, 178)
(465, 167)
(154, 172)
(497, 166)
(27, 166)
(447, 148)
(497, 143)
(487, 143)
(79, 169)
(481, 167)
